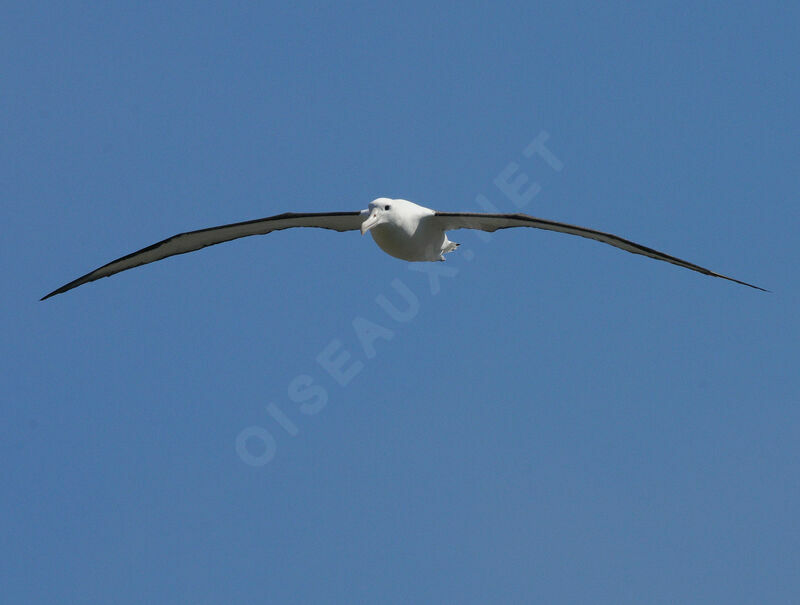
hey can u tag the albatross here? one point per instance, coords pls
(400, 228)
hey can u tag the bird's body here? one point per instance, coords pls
(400, 228)
(408, 231)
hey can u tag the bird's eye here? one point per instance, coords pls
(387, 207)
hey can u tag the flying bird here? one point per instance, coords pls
(401, 228)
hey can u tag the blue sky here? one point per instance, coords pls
(555, 421)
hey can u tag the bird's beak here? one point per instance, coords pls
(369, 222)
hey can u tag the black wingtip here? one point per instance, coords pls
(744, 283)
(54, 292)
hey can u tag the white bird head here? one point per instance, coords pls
(379, 212)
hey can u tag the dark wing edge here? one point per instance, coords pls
(493, 222)
(195, 240)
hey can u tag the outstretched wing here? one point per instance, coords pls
(493, 222)
(194, 240)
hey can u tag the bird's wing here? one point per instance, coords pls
(194, 240)
(493, 222)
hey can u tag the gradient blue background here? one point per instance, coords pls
(562, 422)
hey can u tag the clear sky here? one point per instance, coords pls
(299, 417)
